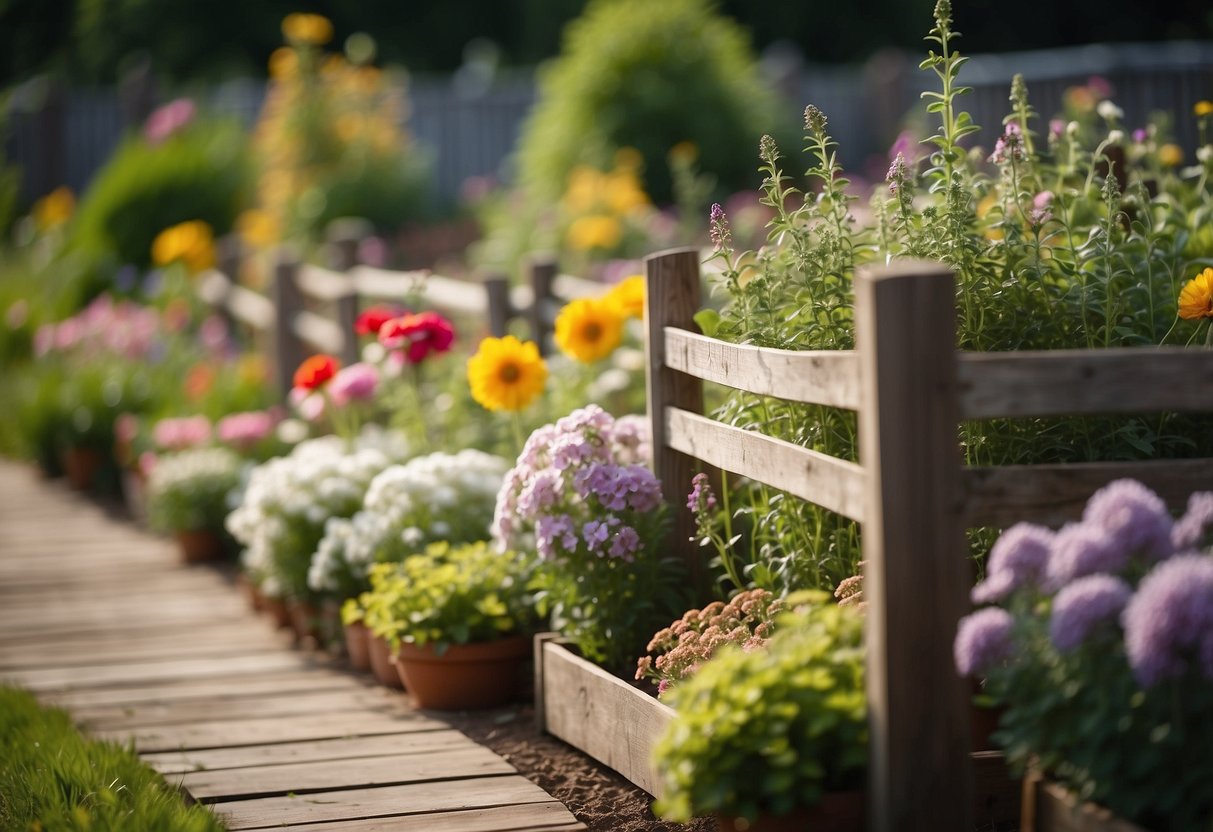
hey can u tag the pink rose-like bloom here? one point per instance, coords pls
(418, 335)
(243, 430)
(167, 120)
(355, 383)
(181, 433)
(308, 404)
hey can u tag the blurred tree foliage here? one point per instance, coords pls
(94, 40)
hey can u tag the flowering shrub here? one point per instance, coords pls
(281, 517)
(1099, 645)
(770, 730)
(581, 496)
(432, 498)
(679, 650)
(191, 490)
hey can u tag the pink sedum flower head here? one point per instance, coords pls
(355, 383)
(180, 433)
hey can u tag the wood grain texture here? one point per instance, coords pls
(1084, 382)
(1053, 494)
(601, 715)
(835, 484)
(1047, 807)
(218, 687)
(916, 580)
(541, 274)
(828, 377)
(289, 351)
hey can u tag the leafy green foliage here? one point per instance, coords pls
(53, 778)
(772, 729)
(201, 173)
(648, 76)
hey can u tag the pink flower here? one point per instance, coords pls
(418, 335)
(355, 383)
(243, 430)
(167, 120)
(309, 405)
(182, 432)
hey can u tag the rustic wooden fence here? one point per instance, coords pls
(910, 492)
(311, 308)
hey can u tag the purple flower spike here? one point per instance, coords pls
(1191, 530)
(1083, 606)
(1170, 617)
(983, 640)
(1133, 514)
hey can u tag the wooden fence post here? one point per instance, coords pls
(497, 290)
(917, 576)
(289, 351)
(343, 257)
(543, 274)
(672, 297)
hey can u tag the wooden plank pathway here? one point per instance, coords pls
(99, 617)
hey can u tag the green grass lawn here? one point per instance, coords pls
(53, 778)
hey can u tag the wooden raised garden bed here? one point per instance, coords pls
(1048, 807)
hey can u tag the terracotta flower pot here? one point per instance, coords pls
(305, 620)
(357, 646)
(278, 611)
(381, 663)
(81, 466)
(199, 545)
(835, 812)
(479, 675)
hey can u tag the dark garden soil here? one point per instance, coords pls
(597, 796)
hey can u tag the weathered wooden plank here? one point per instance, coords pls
(45, 679)
(229, 732)
(217, 687)
(115, 717)
(68, 619)
(835, 484)
(131, 628)
(72, 653)
(533, 817)
(323, 284)
(415, 798)
(214, 759)
(601, 715)
(325, 775)
(1053, 494)
(826, 377)
(920, 777)
(1050, 808)
(1078, 382)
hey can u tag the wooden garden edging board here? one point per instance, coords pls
(911, 493)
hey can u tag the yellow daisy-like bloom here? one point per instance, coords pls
(54, 209)
(313, 29)
(506, 374)
(1203, 108)
(588, 329)
(257, 228)
(1170, 155)
(190, 242)
(594, 231)
(1196, 298)
(628, 296)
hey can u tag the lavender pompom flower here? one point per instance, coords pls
(1018, 558)
(718, 228)
(1191, 530)
(1084, 606)
(983, 640)
(1081, 549)
(701, 497)
(1170, 619)
(1134, 515)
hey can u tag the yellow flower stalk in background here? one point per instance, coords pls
(589, 329)
(1196, 297)
(628, 296)
(191, 242)
(54, 209)
(1170, 155)
(506, 374)
(312, 29)
(594, 231)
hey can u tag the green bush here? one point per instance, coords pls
(201, 173)
(649, 75)
(52, 778)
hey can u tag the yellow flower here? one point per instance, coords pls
(594, 231)
(283, 63)
(190, 242)
(684, 153)
(1203, 108)
(588, 329)
(55, 208)
(1170, 155)
(624, 192)
(506, 374)
(257, 228)
(628, 296)
(311, 29)
(1196, 298)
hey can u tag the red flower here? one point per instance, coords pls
(370, 321)
(315, 372)
(418, 335)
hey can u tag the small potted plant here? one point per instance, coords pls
(460, 619)
(1097, 642)
(187, 496)
(773, 737)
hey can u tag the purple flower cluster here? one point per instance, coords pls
(1009, 145)
(1169, 621)
(1020, 557)
(701, 497)
(1192, 530)
(983, 640)
(579, 488)
(1083, 607)
(1134, 515)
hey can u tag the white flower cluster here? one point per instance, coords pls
(288, 500)
(191, 489)
(431, 498)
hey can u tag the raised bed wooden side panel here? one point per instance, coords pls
(598, 714)
(1047, 807)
